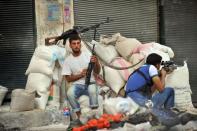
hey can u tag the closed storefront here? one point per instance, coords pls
(132, 18)
(180, 33)
(17, 41)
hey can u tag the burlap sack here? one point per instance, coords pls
(22, 100)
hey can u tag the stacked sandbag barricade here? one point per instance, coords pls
(43, 74)
(45, 79)
(129, 51)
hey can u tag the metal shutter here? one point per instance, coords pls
(132, 18)
(180, 17)
(17, 41)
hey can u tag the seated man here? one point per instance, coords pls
(74, 70)
(143, 82)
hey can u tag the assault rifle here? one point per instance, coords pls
(80, 29)
(91, 65)
(89, 70)
(168, 65)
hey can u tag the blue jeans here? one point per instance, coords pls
(77, 90)
(165, 99)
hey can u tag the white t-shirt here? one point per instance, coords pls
(74, 65)
(153, 71)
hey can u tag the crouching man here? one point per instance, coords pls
(145, 80)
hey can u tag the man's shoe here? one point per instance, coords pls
(74, 123)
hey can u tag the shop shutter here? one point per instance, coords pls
(132, 18)
(180, 18)
(17, 41)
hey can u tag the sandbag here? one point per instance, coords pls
(86, 111)
(135, 60)
(165, 56)
(183, 100)
(106, 52)
(163, 48)
(125, 46)
(22, 100)
(120, 105)
(148, 48)
(3, 91)
(121, 62)
(38, 65)
(38, 82)
(109, 40)
(179, 80)
(41, 101)
(113, 79)
(52, 52)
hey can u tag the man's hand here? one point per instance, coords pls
(94, 59)
(163, 72)
(83, 72)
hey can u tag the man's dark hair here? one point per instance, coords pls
(74, 37)
(153, 59)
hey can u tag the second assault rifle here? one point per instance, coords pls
(80, 29)
(168, 66)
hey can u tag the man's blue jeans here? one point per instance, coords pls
(77, 90)
(165, 99)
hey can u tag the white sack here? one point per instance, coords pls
(165, 56)
(38, 65)
(41, 101)
(183, 100)
(44, 52)
(179, 78)
(38, 82)
(51, 53)
(107, 40)
(163, 48)
(106, 52)
(113, 79)
(120, 105)
(86, 111)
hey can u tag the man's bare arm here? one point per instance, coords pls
(159, 82)
(72, 78)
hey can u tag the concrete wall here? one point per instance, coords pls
(53, 17)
